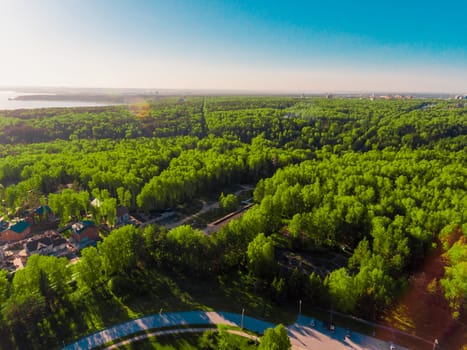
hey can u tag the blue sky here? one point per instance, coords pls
(248, 45)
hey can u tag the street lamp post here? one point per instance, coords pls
(331, 314)
(300, 308)
(243, 313)
(435, 344)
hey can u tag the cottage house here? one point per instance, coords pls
(85, 229)
(16, 232)
(41, 214)
(4, 225)
(59, 244)
(49, 244)
(123, 216)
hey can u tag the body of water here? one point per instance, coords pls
(7, 103)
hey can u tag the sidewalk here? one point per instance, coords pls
(168, 320)
(302, 334)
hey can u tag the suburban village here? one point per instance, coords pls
(37, 231)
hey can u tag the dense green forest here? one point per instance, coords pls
(371, 186)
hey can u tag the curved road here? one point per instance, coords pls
(158, 321)
(176, 331)
(302, 334)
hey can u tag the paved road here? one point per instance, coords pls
(302, 334)
(169, 320)
(393, 330)
(206, 207)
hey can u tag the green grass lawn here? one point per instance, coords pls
(211, 335)
(187, 341)
(169, 342)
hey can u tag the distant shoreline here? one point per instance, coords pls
(119, 94)
(76, 98)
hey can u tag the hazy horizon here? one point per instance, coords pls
(38, 90)
(265, 46)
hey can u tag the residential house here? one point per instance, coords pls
(49, 244)
(16, 232)
(41, 214)
(85, 229)
(4, 225)
(123, 216)
(59, 244)
(42, 246)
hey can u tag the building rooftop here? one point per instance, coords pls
(58, 240)
(80, 226)
(42, 209)
(36, 244)
(122, 211)
(3, 225)
(19, 226)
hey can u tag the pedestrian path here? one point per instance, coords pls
(165, 320)
(308, 333)
(177, 331)
(155, 334)
(304, 334)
